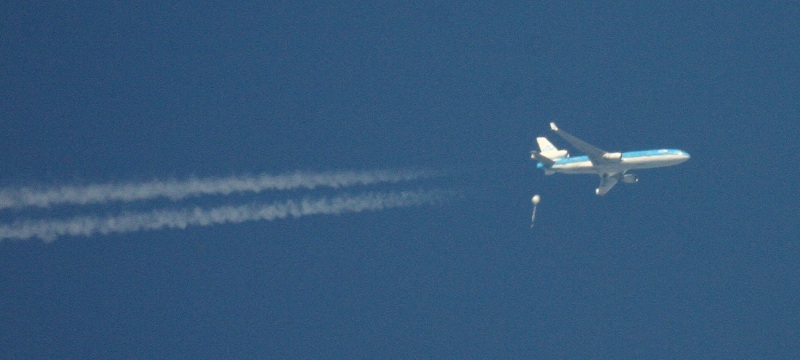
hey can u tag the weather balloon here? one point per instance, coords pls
(535, 200)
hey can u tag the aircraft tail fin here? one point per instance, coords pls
(546, 148)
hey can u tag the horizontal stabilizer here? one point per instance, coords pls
(541, 158)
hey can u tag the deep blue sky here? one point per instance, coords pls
(699, 260)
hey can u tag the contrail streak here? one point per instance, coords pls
(23, 197)
(49, 229)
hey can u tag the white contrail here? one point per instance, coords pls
(23, 197)
(50, 229)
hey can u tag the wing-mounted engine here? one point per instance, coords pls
(630, 178)
(615, 157)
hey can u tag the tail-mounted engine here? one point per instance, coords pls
(557, 154)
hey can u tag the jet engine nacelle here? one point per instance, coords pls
(630, 179)
(613, 156)
(555, 155)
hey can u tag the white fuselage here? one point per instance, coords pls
(627, 161)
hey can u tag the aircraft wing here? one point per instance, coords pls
(607, 181)
(595, 154)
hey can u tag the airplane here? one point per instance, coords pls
(610, 166)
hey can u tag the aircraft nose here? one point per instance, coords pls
(686, 155)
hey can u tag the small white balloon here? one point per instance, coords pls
(535, 200)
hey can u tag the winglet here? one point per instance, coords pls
(553, 126)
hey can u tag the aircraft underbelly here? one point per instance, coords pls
(585, 167)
